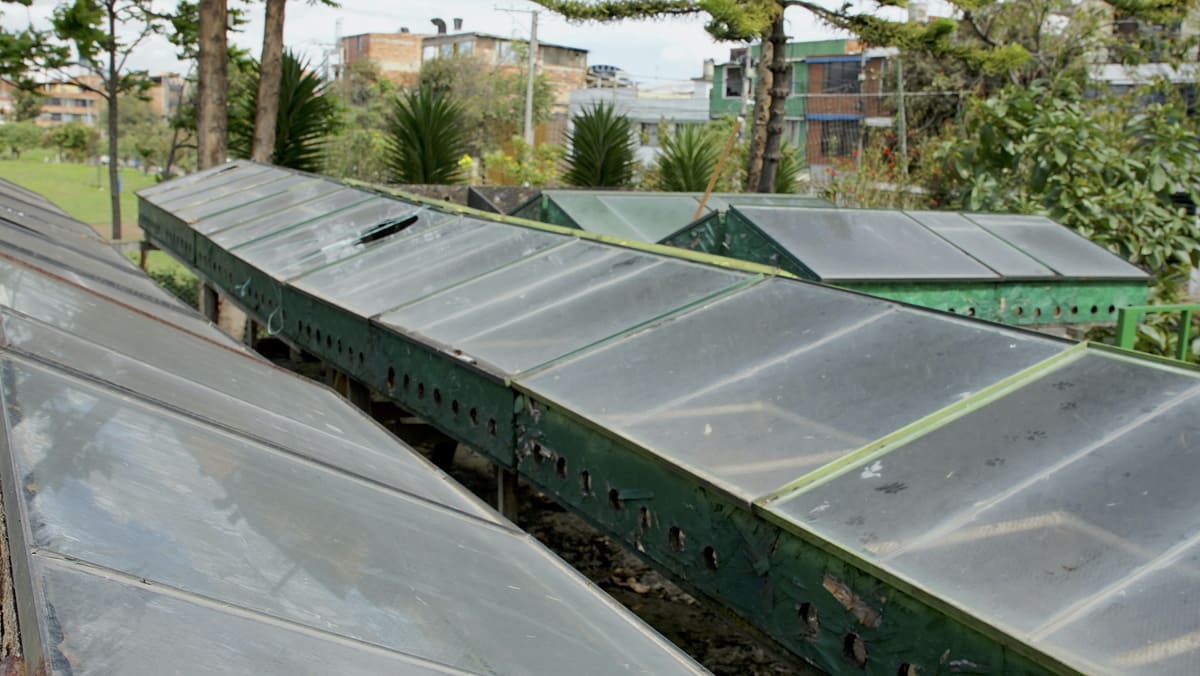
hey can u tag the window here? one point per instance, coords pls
(649, 135)
(507, 52)
(429, 53)
(447, 50)
(556, 56)
(839, 138)
(841, 77)
(733, 82)
(466, 47)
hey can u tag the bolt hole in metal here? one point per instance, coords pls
(537, 453)
(405, 382)
(561, 467)
(473, 415)
(907, 669)
(585, 482)
(420, 390)
(437, 396)
(808, 618)
(614, 498)
(454, 406)
(492, 426)
(855, 650)
(644, 518)
(676, 538)
(391, 378)
(710, 558)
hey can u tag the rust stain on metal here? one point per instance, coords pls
(864, 613)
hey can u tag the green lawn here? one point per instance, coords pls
(81, 190)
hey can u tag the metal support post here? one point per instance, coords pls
(506, 493)
(209, 303)
(358, 394)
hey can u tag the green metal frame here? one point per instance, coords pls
(824, 603)
(1129, 317)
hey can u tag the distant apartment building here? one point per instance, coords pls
(167, 92)
(65, 101)
(400, 55)
(837, 95)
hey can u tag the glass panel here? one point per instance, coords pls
(985, 247)
(139, 490)
(292, 417)
(1048, 494)
(311, 189)
(293, 251)
(104, 624)
(722, 201)
(238, 178)
(1058, 247)
(252, 195)
(858, 244)
(764, 385)
(1147, 626)
(291, 216)
(654, 217)
(14, 190)
(560, 301)
(42, 218)
(426, 262)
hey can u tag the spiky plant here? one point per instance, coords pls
(688, 159)
(789, 169)
(426, 138)
(602, 147)
(306, 116)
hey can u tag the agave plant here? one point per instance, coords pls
(306, 116)
(601, 152)
(426, 138)
(689, 156)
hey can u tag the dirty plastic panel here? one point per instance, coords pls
(307, 421)
(209, 516)
(224, 183)
(33, 293)
(278, 187)
(654, 217)
(402, 269)
(109, 623)
(317, 243)
(860, 244)
(821, 374)
(189, 181)
(1087, 471)
(557, 302)
(268, 223)
(1068, 253)
(985, 247)
(309, 190)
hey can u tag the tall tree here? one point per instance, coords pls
(269, 74)
(212, 46)
(90, 26)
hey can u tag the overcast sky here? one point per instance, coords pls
(669, 49)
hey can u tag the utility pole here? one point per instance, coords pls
(529, 78)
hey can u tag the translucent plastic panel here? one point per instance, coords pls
(310, 189)
(78, 310)
(252, 195)
(653, 217)
(591, 213)
(981, 244)
(92, 272)
(219, 185)
(1148, 625)
(385, 461)
(721, 201)
(1058, 247)
(560, 301)
(762, 386)
(399, 271)
(310, 210)
(142, 491)
(345, 233)
(189, 181)
(1047, 493)
(69, 234)
(859, 244)
(105, 623)
(17, 191)
(43, 218)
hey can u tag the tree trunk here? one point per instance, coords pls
(111, 84)
(762, 104)
(269, 71)
(780, 89)
(212, 76)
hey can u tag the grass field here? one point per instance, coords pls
(74, 188)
